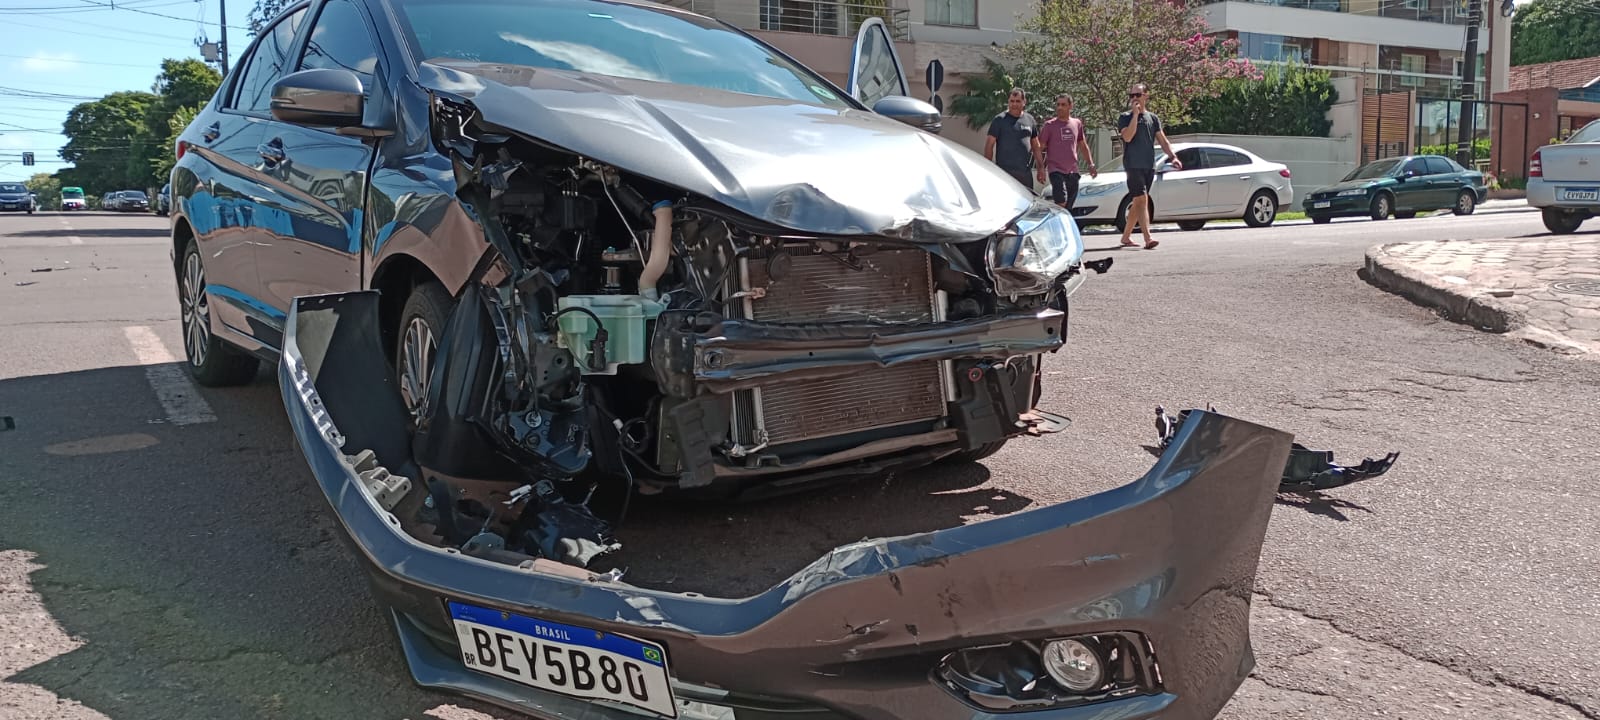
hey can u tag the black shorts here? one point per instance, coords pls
(1064, 188)
(1022, 174)
(1140, 180)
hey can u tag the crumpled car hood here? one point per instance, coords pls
(811, 169)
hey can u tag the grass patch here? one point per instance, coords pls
(1291, 216)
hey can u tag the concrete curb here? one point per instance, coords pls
(1457, 301)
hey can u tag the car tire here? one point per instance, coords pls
(1466, 202)
(1191, 225)
(212, 361)
(1407, 215)
(416, 340)
(1321, 219)
(1562, 222)
(974, 455)
(1382, 206)
(1262, 209)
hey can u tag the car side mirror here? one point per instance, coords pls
(910, 111)
(323, 97)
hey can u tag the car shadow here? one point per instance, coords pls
(1317, 503)
(119, 232)
(194, 571)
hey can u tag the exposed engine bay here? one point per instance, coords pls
(624, 337)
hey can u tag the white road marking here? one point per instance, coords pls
(178, 395)
(74, 240)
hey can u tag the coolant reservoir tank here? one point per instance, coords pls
(624, 317)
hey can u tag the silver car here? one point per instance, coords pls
(1217, 182)
(1564, 180)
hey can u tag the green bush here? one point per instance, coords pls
(1289, 100)
(1480, 149)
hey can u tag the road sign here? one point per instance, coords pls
(27, 158)
(938, 103)
(935, 75)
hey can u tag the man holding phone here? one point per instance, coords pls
(1141, 130)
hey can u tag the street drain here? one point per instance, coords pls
(1577, 287)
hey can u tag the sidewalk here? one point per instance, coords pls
(1546, 290)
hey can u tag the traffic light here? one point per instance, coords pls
(27, 158)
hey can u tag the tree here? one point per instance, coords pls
(186, 83)
(1288, 100)
(99, 141)
(264, 12)
(162, 164)
(985, 96)
(47, 188)
(1097, 49)
(1551, 30)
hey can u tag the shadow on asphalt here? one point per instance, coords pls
(112, 232)
(201, 574)
(1320, 504)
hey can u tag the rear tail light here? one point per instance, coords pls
(183, 147)
(1284, 172)
(1535, 167)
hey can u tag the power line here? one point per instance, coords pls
(154, 14)
(75, 32)
(76, 62)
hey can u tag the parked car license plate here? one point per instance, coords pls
(1322, 204)
(1590, 194)
(564, 659)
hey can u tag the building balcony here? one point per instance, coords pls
(814, 17)
(1451, 12)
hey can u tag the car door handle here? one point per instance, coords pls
(1199, 182)
(272, 152)
(212, 133)
(1244, 177)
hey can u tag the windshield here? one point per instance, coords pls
(12, 188)
(133, 194)
(1589, 134)
(1381, 168)
(603, 38)
(72, 193)
(1116, 163)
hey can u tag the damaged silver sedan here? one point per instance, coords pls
(513, 257)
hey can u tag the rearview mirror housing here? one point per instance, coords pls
(910, 111)
(323, 97)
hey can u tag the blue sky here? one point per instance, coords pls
(86, 49)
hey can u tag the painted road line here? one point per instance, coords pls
(178, 395)
(71, 239)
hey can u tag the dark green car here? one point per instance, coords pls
(1399, 186)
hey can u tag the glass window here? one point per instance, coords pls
(1440, 166)
(1221, 157)
(1413, 66)
(13, 188)
(340, 40)
(1377, 169)
(961, 13)
(1191, 158)
(1415, 166)
(613, 39)
(1590, 133)
(268, 63)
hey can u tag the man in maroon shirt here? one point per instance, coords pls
(1061, 139)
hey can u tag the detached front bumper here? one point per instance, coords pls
(860, 633)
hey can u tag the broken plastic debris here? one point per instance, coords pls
(1307, 470)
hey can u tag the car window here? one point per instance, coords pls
(1221, 157)
(340, 40)
(1370, 171)
(268, 63)
(612, 39)
(1590, 133)
(12, 188)
(1440, 166)
(134, 194)
(1191, 158)
(1416, 165)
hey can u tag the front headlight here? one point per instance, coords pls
(1028, 258)
(1352, 193)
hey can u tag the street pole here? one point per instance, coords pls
(1469, 77)
(223, 45)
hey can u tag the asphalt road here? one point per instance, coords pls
(163, 555)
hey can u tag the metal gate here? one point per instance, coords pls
(1497, 133)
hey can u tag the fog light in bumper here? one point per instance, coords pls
(1073, 665)
(1061, 672)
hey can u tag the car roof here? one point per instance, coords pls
(1219, 146)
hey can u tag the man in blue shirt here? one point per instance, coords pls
(1141, 130)
(1013, 142)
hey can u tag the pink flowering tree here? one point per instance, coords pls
(1096, 49)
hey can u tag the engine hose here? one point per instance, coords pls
(660, 251)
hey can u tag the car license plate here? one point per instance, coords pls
(564, 659)
(1322, 204)
(1581, 194)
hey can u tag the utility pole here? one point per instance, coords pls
(1469, 78)
(223, 44)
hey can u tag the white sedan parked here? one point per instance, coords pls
(1216, 182)
(1564, 180)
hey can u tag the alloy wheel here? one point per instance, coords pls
(1263, 209)
(416, 366)
(196, 310)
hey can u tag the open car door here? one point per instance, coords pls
(878, 79)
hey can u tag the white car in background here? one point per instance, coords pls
(1217, 182)
(1564, 180)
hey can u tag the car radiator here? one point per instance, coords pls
(886, 286)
